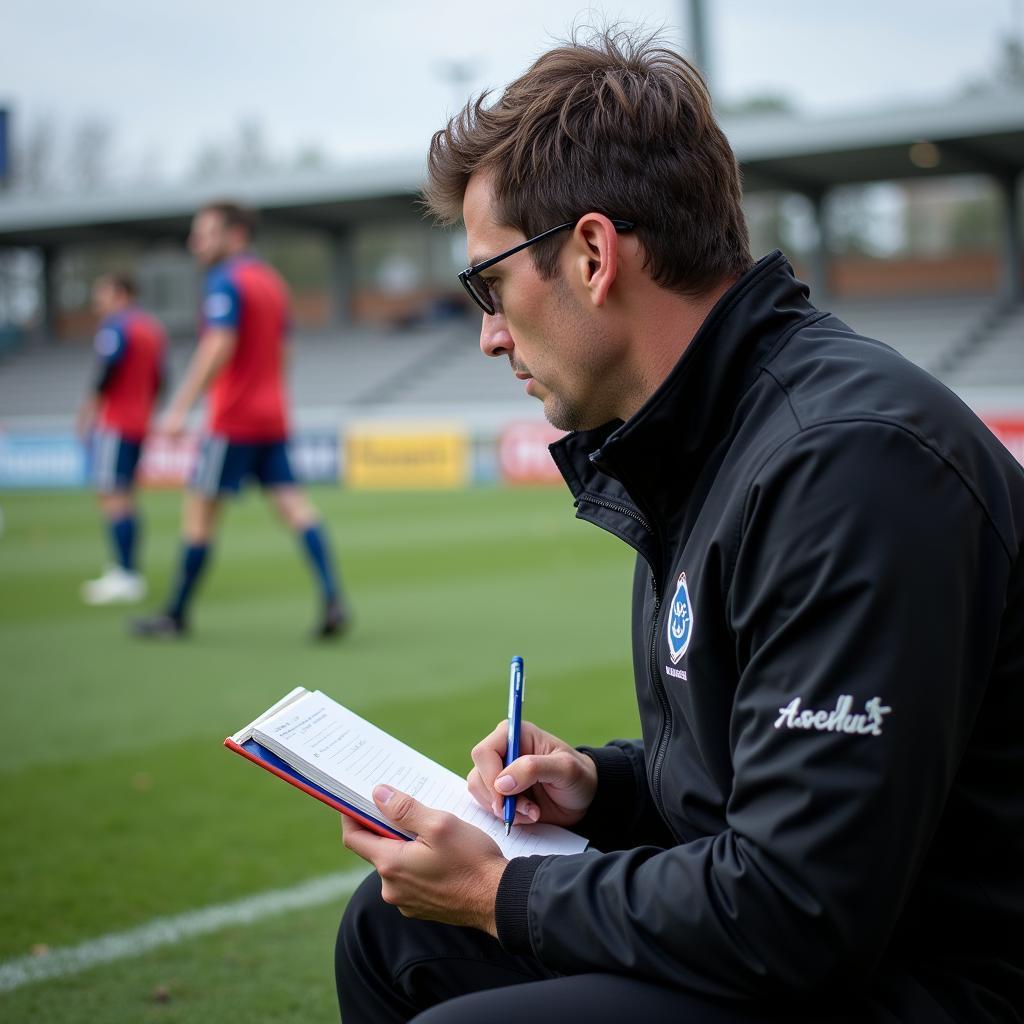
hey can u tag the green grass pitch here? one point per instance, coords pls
(119, 804)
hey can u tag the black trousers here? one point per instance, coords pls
(390, 968)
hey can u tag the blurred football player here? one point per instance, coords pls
(240, 364)
(114, 418)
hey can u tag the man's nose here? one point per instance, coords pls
(495, 339)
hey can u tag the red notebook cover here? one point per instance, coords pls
(259, 754)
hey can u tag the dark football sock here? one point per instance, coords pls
(193, 558)
(314, 540)
(122, 538)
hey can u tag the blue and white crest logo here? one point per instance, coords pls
(680, 621)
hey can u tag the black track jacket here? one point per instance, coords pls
(828, 646)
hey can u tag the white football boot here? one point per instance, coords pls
(115, 586)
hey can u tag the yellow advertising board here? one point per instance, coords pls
(406, 455)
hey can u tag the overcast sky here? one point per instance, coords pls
(361, 80)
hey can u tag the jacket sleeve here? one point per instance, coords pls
(864, 603)
(623, 813)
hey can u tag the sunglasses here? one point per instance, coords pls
(478, 287)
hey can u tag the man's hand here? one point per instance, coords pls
(85, 419)
(554, 782)
(213, 353)
(449, 873)
(172, 423)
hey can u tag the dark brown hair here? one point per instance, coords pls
(235, 215)
(619, 125)
(123, 282)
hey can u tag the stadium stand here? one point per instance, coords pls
(454, 374)
(996, 359)
(968, 343)
(354, 366)
(434, 366)
(930, 331)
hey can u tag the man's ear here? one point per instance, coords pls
(597, 255)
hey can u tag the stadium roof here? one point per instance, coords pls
(982, 134)
(974, 134)
(320, 198)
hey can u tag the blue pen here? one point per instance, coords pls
(516, 687)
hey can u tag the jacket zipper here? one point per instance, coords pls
(632, 513)
(666, 708)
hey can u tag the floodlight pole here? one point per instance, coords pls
(820, 262)
(697, 26)
(48, 322)
(1013, 264)
(342, 274)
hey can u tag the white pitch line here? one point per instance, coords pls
(165, 931)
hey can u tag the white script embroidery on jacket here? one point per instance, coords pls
(837, 720)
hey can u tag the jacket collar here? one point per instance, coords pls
(648, 464)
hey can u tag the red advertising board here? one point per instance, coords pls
(523, 454)
(1009, 430)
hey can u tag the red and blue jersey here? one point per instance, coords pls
(247, 398)
(132, 347)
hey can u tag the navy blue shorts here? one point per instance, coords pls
(113, 460)
(223, 466)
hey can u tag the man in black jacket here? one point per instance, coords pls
(824, 819)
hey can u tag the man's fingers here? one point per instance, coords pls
(479, 790)
(362, 841)
(527, 812)
(350, 825)
(408, 813)
(558, 769)
(489, 754)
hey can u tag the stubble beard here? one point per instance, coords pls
(564, 413)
